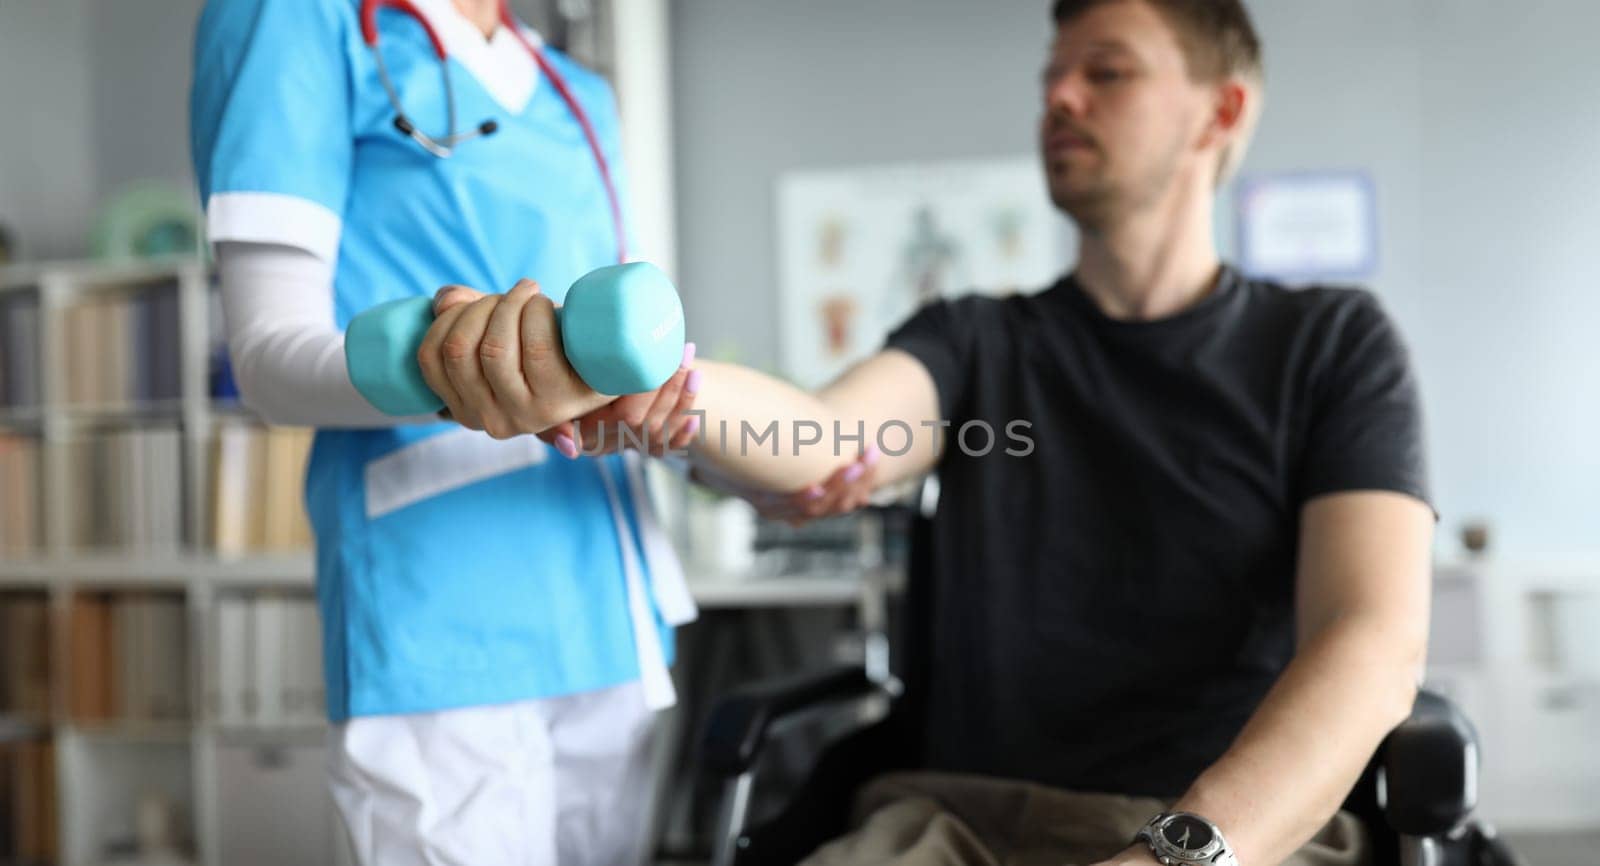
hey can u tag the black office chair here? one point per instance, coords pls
(1416, 796)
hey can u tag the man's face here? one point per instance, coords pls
(1121, 116)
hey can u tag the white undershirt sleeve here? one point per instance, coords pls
(287, 352)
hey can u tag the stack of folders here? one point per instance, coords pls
(266, 667)
(129, 657)
(19, 351)
(123, 350)
(25, 656)
(28, 802)
(258, 475)
(127, 488)
(20, 522)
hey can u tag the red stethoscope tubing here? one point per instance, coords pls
(369, 33)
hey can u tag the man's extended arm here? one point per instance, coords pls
(497, 363)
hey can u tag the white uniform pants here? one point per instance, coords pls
(536, 783)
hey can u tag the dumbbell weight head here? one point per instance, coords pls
(622, 328)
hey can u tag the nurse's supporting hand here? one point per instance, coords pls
(844, 490)
(497, 362)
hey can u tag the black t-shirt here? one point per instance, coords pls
(1111, 607)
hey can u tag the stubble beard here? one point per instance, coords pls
(1099, 202)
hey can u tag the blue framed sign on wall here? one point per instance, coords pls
(1311, 225)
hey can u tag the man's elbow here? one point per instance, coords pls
(1391, 655)
(1407, 652)
(1405, 698)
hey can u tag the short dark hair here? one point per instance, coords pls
(1217, 36)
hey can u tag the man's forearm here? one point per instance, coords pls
(767, 433)
(1297, 758)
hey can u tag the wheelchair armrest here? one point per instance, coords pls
(739, 724)
(1430, 768)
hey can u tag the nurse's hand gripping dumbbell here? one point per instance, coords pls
(621, 329)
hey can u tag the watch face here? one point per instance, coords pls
(1186, 833)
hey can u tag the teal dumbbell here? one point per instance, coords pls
(621, 329)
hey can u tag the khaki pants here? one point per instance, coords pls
(935, 819)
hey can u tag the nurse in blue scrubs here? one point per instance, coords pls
(497, 613)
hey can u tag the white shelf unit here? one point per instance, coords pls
(1511, 645)
(103, 767)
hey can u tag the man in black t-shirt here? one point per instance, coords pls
(1182, 546)
(1199, 570)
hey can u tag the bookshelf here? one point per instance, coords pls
(160, 680)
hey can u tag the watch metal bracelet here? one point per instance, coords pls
(1185, 839)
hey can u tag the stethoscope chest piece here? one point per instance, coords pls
(440, 146)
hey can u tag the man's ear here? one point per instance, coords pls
(1235, 108)
(1231, 107)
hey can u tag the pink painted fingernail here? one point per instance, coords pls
(688, 355)
(692, 384)
(566, 446)
(693, 426)
(853, 472)
(870, 457)
(813, 492)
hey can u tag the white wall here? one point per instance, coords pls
(1507, 318)
(142, 61)
(767, 85)
(1343, 92)
(102, 92)
(46, 150)
(1481, 129)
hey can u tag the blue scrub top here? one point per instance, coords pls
(452, 570)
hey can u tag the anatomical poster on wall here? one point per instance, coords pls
(861, 249)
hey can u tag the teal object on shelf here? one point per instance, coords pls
(622, 329)
(147, 219)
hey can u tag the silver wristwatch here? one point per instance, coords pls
(1186, 839)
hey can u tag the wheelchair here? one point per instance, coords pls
(1416, 796)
